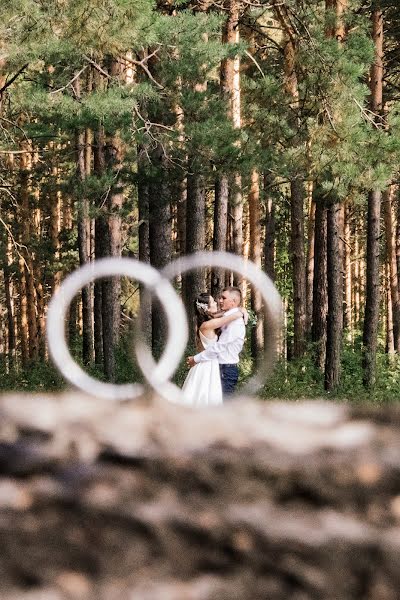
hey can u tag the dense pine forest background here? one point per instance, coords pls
(270, 129)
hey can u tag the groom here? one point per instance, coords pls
(230, 342)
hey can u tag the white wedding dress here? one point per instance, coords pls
(202, 386)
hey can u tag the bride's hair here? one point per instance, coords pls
(201, 308)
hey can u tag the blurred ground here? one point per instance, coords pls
(149, 501)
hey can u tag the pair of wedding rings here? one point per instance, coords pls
(157, 375)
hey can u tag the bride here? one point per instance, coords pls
(202, 386)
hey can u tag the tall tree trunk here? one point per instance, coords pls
(390, 350)
(371, 317)
(9, 297)
(255, 256)
(392, 266)
(100, 247)
(111, 289)
(84, 255)
(347, 251)
(159, 236)
(356, 279)
(298, 264)
(320, 291)
(26, 216)
(220, 230)
(297, 241)
(335, 297)
(54, 223)
(22, 314)
(230, 87)
(310, 263)
(195, 241)
(397, 213)
(144, 243)
(269, 236)
(335, 224)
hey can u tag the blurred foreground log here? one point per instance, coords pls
(148, 501)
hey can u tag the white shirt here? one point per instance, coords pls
(230, 343)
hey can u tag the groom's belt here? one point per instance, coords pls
(228, 364)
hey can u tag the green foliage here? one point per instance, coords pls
(299, 379)
(38, 377)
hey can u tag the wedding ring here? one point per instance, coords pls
(272, 308)
(157, 284)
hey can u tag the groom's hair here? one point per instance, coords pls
(235, 291)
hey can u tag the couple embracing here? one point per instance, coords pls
(220, 338)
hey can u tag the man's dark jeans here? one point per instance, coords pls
(229, 378)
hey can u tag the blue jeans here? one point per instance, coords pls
(229, 378)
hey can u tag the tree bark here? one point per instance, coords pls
(269, 236)
(55, 223)
(220, 230)
(392, 265)
(390, 350)
(371, 317)
(257, 341)
(320, 292)
(310, 264)
(111, 288)
(100, 247)
(9, 297)
(298, 265)
(144, 244)
(397, 212)
(195, 241)
(335, 297)
(347, 251)
(84, 255)
(231, 91)
(297, 242)
(335, 228)
(22, 315)
(357, 278)
(26, 217)
(159, 236)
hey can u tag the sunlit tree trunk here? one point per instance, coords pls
(9, 298)
(390, 350)
(255, 256)
(297, 192)
(310, 263)
(356, 280)
(335, 223)
(22, 314)
(231, 90)
(392, 266)
(269, 234)
(320, 291)
(220, 229)
(26, 217)
(100, 246)
(396, 203)
(54, 222)
(348, 251)
(371, 316)
(84, 254)
(335, 297)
